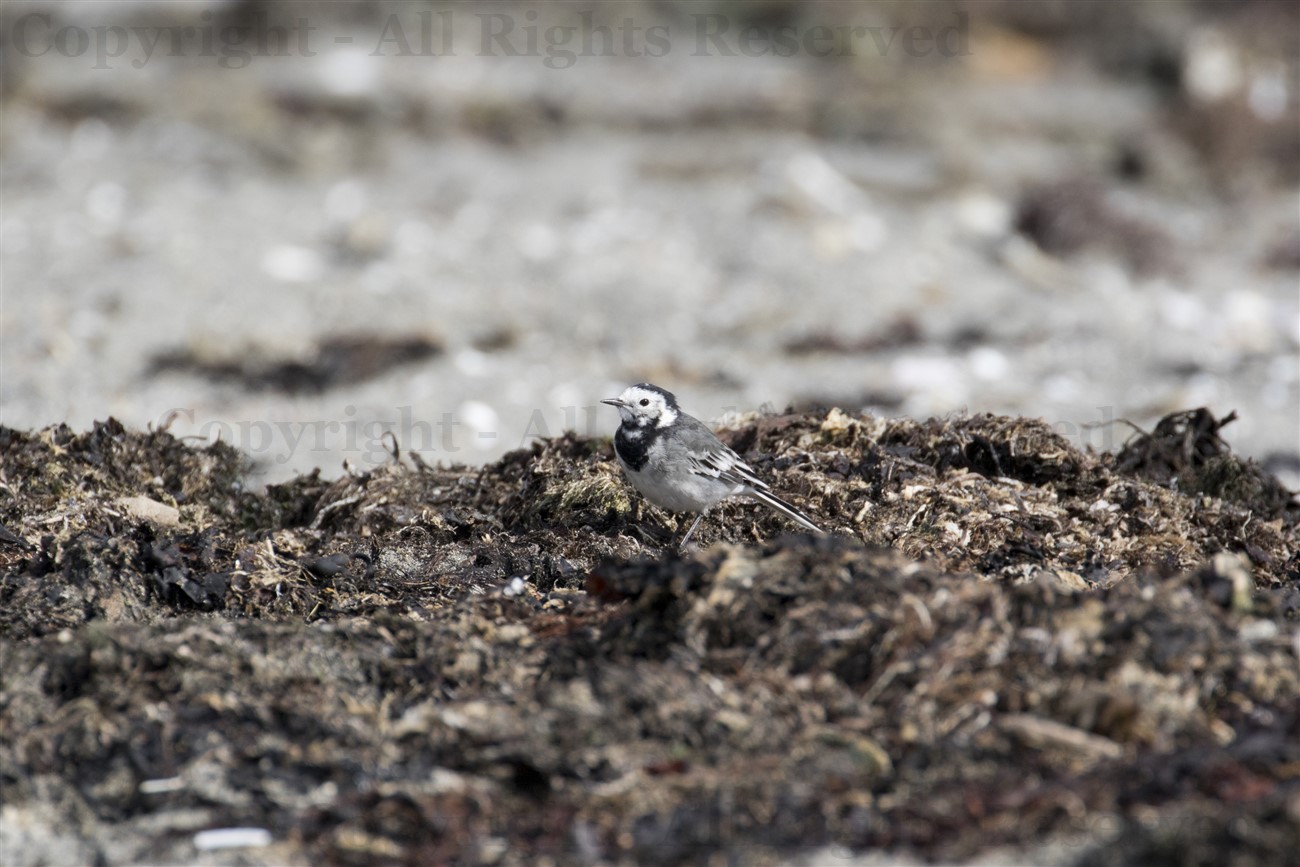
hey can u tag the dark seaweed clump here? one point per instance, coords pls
(1007, 647)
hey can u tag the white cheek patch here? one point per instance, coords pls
(667, 417)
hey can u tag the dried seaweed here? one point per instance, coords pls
(1185, 450)
(1005, 644)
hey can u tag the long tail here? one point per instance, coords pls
(768, 498)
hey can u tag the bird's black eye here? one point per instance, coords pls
(645, 401)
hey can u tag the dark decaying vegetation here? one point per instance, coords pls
(1006, 645)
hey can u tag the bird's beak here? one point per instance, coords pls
(613, 401)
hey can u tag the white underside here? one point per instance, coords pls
(683, 492)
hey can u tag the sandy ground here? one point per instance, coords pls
(1026, 227)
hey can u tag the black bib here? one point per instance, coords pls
(633, 450)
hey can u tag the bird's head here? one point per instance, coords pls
(645, 405)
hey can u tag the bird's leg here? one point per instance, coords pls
(687, 538)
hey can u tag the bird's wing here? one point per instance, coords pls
(709, 456)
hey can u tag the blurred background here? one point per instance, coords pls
(295, 225)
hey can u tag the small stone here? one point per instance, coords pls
(146, 509)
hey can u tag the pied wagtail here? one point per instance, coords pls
(677, 463)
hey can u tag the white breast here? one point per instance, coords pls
(681, 491)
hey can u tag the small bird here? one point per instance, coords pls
(677, 463)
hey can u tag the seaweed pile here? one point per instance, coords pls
(1006, 648)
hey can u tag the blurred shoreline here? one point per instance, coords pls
(913, 209)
